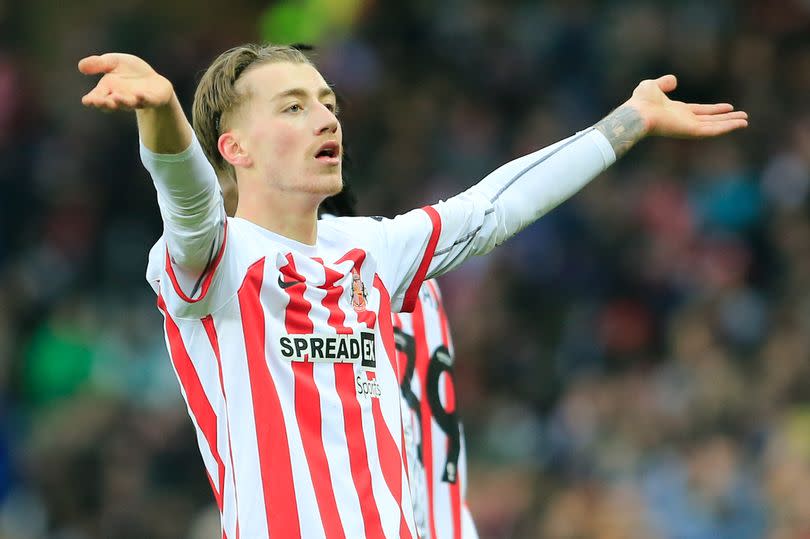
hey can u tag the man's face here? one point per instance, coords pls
(288, 127)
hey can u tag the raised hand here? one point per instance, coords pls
(650, 112)
(669, 118)
(128, 83)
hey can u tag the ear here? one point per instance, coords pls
(232, 151)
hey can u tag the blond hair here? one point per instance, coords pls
(217, 97)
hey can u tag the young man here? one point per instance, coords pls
(435, 448)
(279, 327)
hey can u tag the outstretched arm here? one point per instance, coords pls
(521, 191)
(527, 188)
(188, 191)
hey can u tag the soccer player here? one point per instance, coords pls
(434, 439)
(279, 326)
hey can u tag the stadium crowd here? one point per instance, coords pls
(634, 366)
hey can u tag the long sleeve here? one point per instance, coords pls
(433, 240)
(192, 209)
(523, 190)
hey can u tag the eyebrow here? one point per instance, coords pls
(300, 92)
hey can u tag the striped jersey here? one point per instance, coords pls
(287, 363)
(434, 436)
(286, 355)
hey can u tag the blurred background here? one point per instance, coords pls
(635, 365)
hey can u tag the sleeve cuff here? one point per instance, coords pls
(148, 155)
(605, 148)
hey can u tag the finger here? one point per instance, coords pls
(89, 101)
(667, 83)
(101, 97)
(93, 65)
(735, 115)
(103, 104)
(97, 102)
(98, 93)
(115, 101)
(95, 97)
(715, 108)
(129, 101)
(141, 100)
(109, 101)
(712, 129)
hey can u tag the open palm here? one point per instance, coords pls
(666, 117)
(128, 83)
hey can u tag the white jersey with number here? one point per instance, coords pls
(285, 352)
(435, 446)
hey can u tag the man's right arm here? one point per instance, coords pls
(187, 188)
(164, 129)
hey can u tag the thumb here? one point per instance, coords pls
(667, 83)
(93, 65)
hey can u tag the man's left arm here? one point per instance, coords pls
(520, 192)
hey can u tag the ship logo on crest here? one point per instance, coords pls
(358, 292)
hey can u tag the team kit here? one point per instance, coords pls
(315, 357)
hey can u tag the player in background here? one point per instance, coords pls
(289, 374)
(434, 437)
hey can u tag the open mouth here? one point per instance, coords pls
(329, 152)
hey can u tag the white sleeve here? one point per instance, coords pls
(521, 191)
(437, 238)
(192, 209)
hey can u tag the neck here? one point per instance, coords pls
(292, 215)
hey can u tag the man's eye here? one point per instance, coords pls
(294, 108)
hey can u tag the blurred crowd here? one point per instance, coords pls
(636, 365)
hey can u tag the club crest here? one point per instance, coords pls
(358, 292)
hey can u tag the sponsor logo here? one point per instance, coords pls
(368, 387)
(330, 348)
(287, 284)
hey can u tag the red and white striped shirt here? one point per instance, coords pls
(285, 352)
(288, 365)
(435, 445)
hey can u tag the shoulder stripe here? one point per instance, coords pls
(208, 273)
(412, 294)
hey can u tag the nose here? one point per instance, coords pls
(327, 122)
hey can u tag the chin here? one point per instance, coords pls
(337, 187)
(334, 185)
(325, 186)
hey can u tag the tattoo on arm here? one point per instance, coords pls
(623, 128)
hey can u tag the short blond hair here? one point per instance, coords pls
(216, 96)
